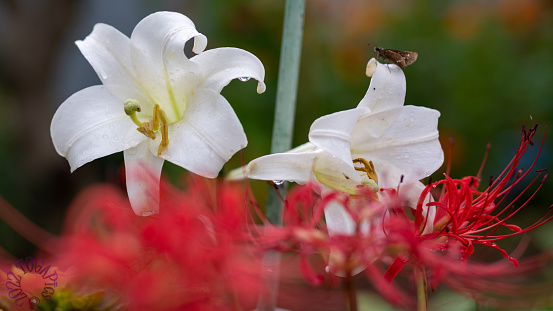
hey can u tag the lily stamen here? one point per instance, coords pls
(368, 168)
(162, 119)
(157, 122)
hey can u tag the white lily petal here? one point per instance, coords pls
(142, 171)
(387, 89)
(157, 50)
(92, 124)
(332, 132)
(242, 172)
(207, 137)
(236, 174)
(296, 167)
(221, 65)
(338, 221)
(107, 50)
(335, 173)
(409, 148)
(373, 125)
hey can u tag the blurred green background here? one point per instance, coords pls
(486, 65)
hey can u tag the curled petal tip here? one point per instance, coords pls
(200, 43)
(261, 87)
(371, 67)
(195, 49)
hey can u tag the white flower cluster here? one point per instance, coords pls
(175, 103)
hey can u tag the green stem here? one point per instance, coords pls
(288, 74)
(422, 292)
(283, 126)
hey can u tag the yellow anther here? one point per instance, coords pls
(164, 132)
(368, 168)
(156, 123)
(155, 118)
(148, 130)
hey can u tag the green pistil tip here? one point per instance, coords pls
(131, 108)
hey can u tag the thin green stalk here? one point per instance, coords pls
(283, 127)
(422, 291)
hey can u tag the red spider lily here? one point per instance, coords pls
(464, 217)
(473, 217)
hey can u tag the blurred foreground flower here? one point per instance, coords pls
(175, 101)
(193, 257)
(304, 231)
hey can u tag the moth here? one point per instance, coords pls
(400, 58)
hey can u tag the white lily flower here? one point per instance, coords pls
(379, 144)
(175, 102)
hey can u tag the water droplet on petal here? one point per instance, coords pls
(278, 182)
(244, 79)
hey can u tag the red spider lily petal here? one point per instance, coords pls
(395, 268)
(392, 293)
